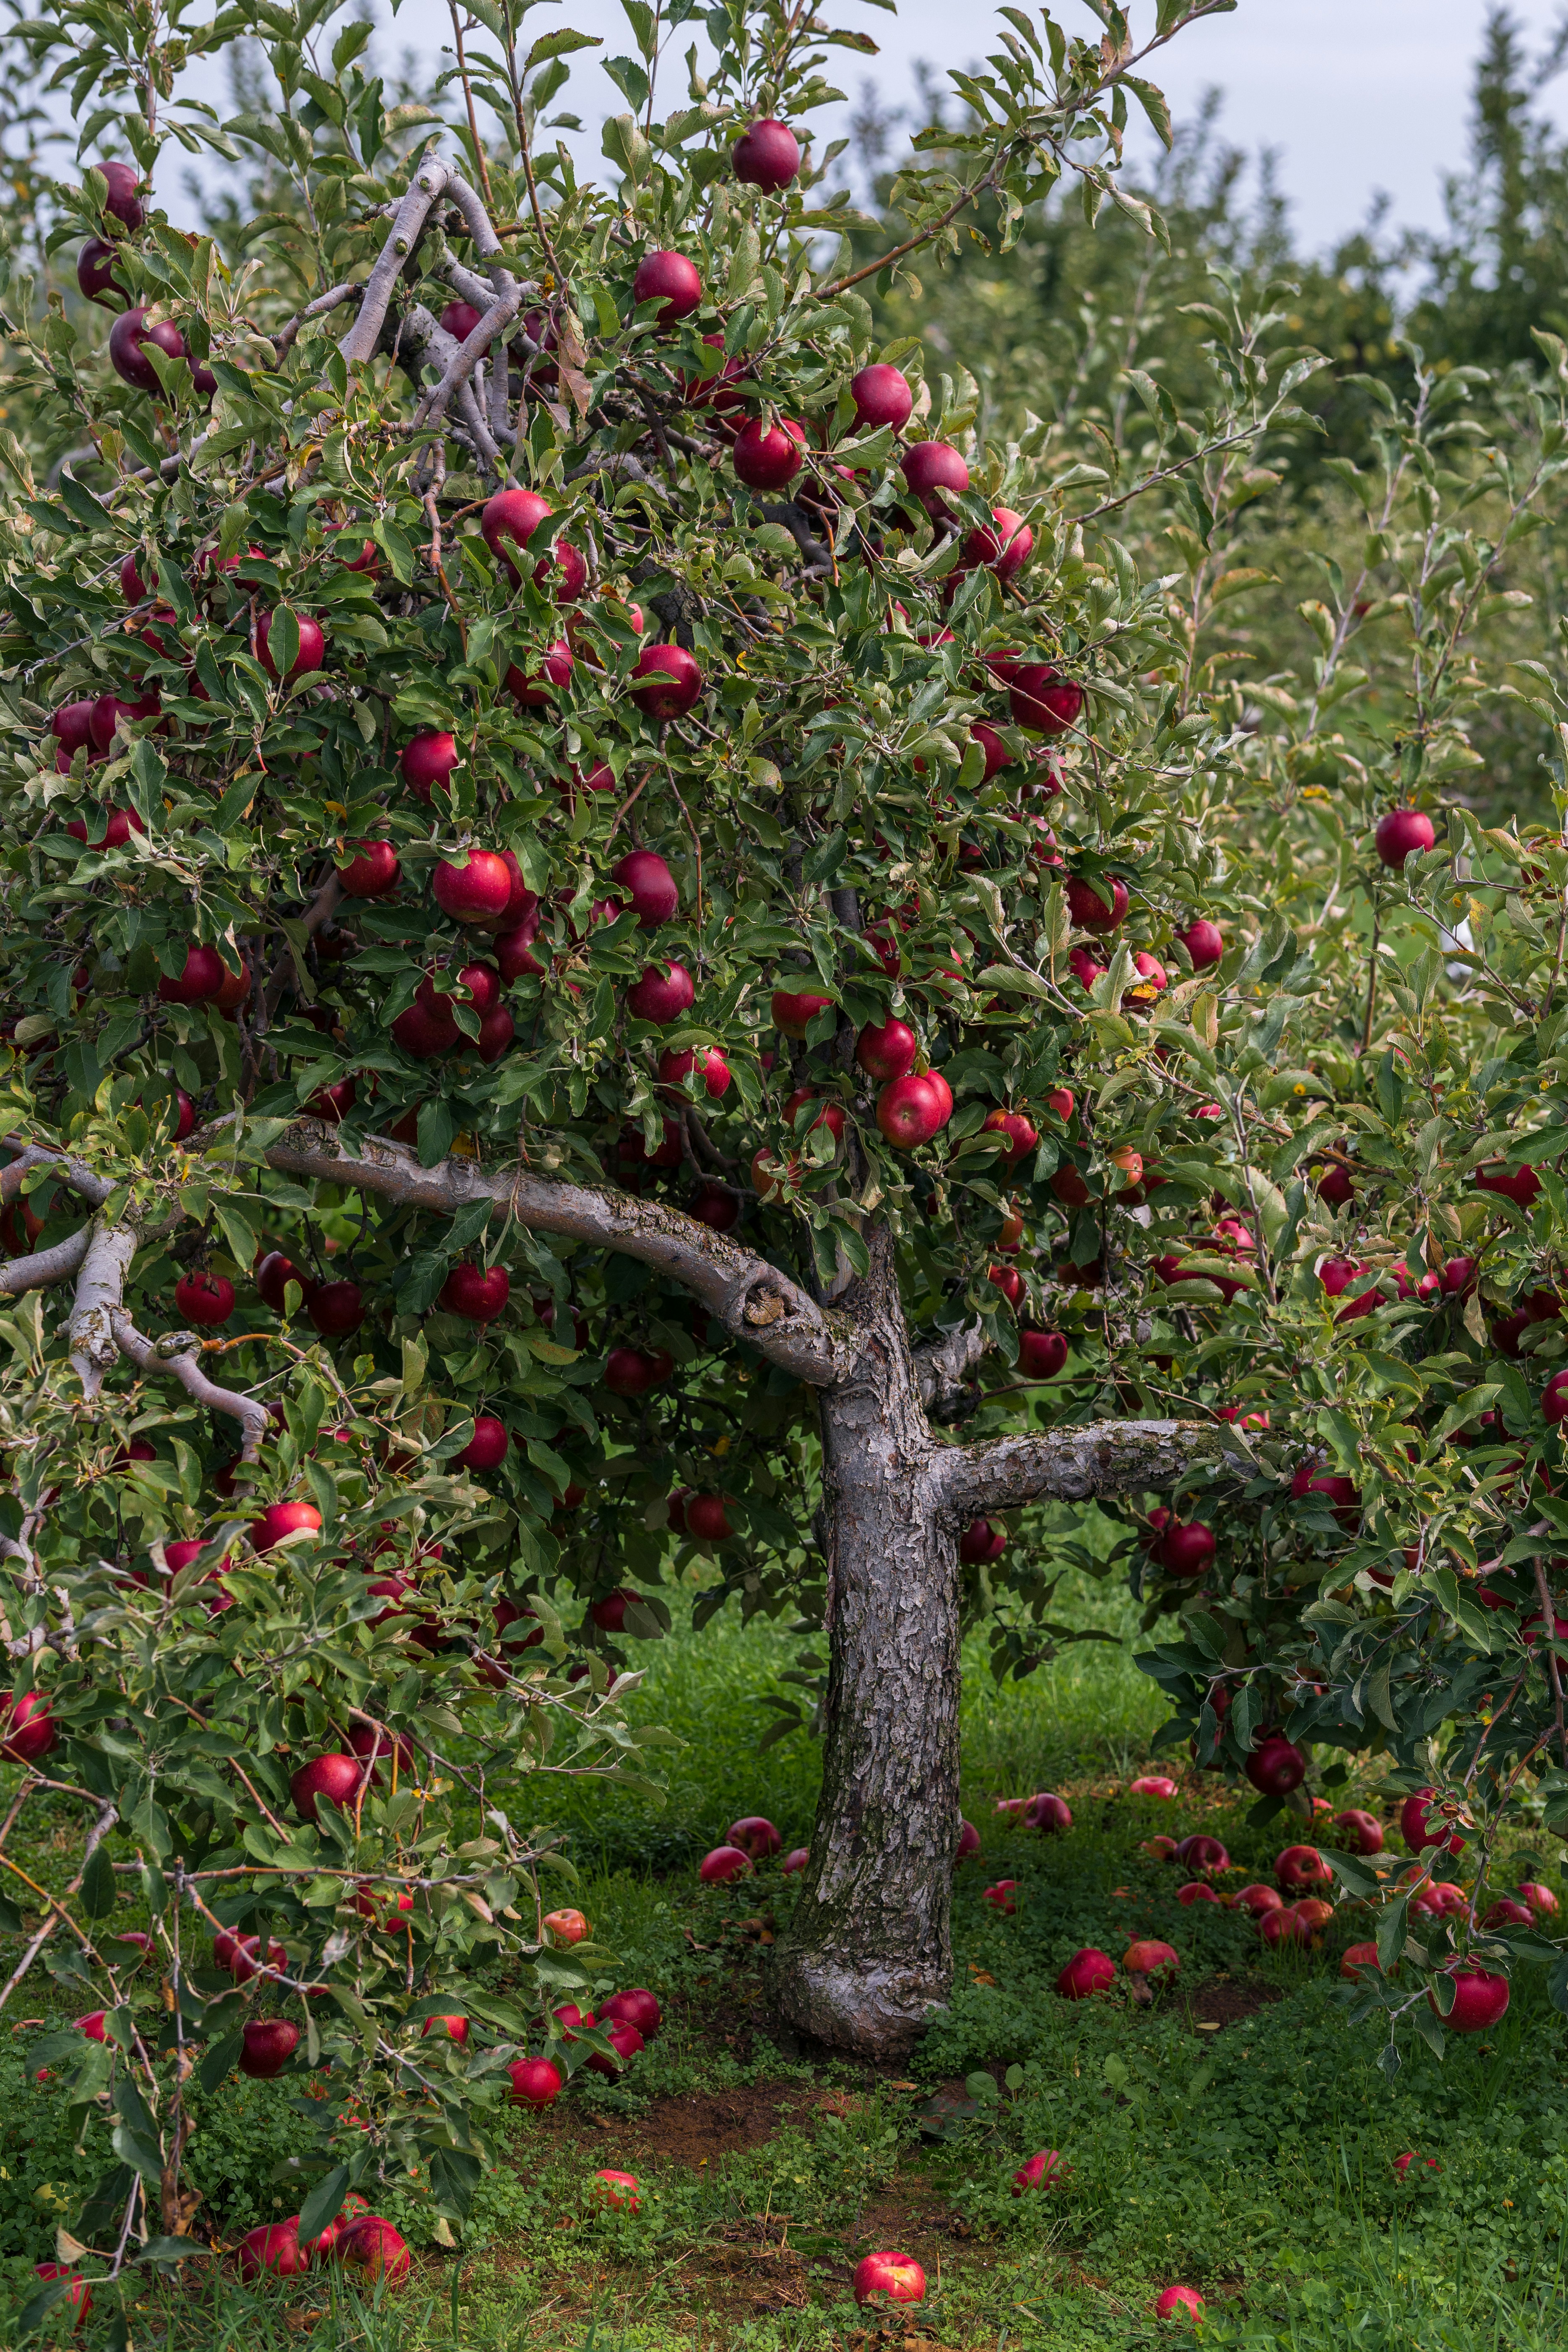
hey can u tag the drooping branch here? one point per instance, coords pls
(1075, 1465)
(752, 1300)
(61, 1260)
(175, 1356)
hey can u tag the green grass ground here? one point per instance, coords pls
(1254, 2160)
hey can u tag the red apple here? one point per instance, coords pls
(374, 2249)
(336, 1309)
(1049, 1815)
(634, 2006)
(535, 2082)
(1183, 2301)
(1041, 1354)
(1041, 698)
(269, 2043)
(281, 1519)
(485, 1450)
(458, 320)
(1507, 1912)
(766, 156)
(1152, 1784)
(312, 646)
(667, 682)
(199, 982)
(1301, 1866)
(566, 1927)
(1204, 943)
(1539, 1898)
(535, 688)
(898, 2277)
(475, 892)
(1196, 1891)
(1009, 1281)
(71, 727)
(754, 1832)
(1356, 1956)
(624, 2041)
(649, 885)
(794, 1862)
(932, 468)
(109, 709)
(670, 279)
(1417, 1833)
(371, 872)
(1047, 2169)
(910, 1111)
(337, 1777)
(1088, 1971)
(273, 1277)
(1275, 1767)
(1148, 1957)
(725, 1863)
(128, 340)
(1096, 906)
(1402, 2164)
(632, 1371)
(968, 1842)
(1005, 548)
(1186, 1547)
(708, 1061)
(981, 1541)
(887, 1052)
(1201, 1852)
(274, 2248)
(95, 274)
(1257, 1899)
(662, 994)
(882, 395)
(794, 1009)
(477, 1294)
(1480, 2000)
(205, 1298)
(1361, 1833)
(707, 1521)
(1022, 1136)
(1402, 833)
(618, 2191)
(428, 760)
(768, 458)
(1521, 1185)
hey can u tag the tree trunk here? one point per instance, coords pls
(869, 1950)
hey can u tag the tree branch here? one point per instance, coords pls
(44, 1267)
(100, 1287)
(752, 1300)
(359, 345)
(1076, 1464)
(173, 1357)
(106, 1819)
(941, 1367)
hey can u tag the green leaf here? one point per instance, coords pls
(323, 2204)
(98, 1894)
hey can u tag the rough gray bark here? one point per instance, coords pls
(868, 1953)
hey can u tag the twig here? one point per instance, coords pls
(106, 1819)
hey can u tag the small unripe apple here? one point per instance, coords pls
(766, 156)
(670, 279)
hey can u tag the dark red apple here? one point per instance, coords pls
(634, 2006)
(1096, 906)
(95, 274)
(766, 156)
(373, 2249)
(205, 1298)
(767, 457)
(273, 2248)
(128, 340)
(1361, 1832)
(535, 2082)
(882, 395)
(725, 1863)
(312, 646)
(708, 1521)
(371, 872)
(932, 468)
(649, 885)
(200, 981)
(458, 320)
(486, 1449)
(118, 825)
(670, 279)
(1041, 1354)
(535, 688)
(109, 709)
(708, 1061)
(632, 1371)
(269, 2043)
(662, 994)
(336, 1309)
(475, 1294)
(1005, 548)
(1204, 943)
(27, 1728)
(1088, 1972)
(273, 1277)
(1481, 2000)
(1186, 1547)
(1275, 1766)
(671, 682)
(981, 1541)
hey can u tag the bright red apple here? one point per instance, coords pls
(312, 646)
(476, 892)
(896, 2277)
(535, 2082)
(336, 1777)
(374, 2249)
(662, 994)
(882, 395)
(1480, 2000)
(273, 2248)
(205, 1298)
(1404, 833)
(670, 279)
(768, 458)
(1042, 699)
(476, 1293)
(934, 470)
(1275, 1767)
(723, 1863)
(281, 1519)
(766, 156)
(1088, 1971)
(667, 682)
(269, 2043)
(650, 887)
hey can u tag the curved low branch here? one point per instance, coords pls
(943, 1364)
(752, 1300)
(173, 1357)
(1076, 1464)
(61, 1260)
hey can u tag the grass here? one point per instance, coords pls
(1254, 2162)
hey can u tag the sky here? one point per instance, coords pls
(1356, 97)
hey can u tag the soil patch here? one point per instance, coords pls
(697, 2127)
(1224, 2001)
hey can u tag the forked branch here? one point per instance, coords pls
(174, 1358)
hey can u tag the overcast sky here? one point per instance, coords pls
(1356, 95)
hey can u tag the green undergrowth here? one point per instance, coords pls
(1254, 2162)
